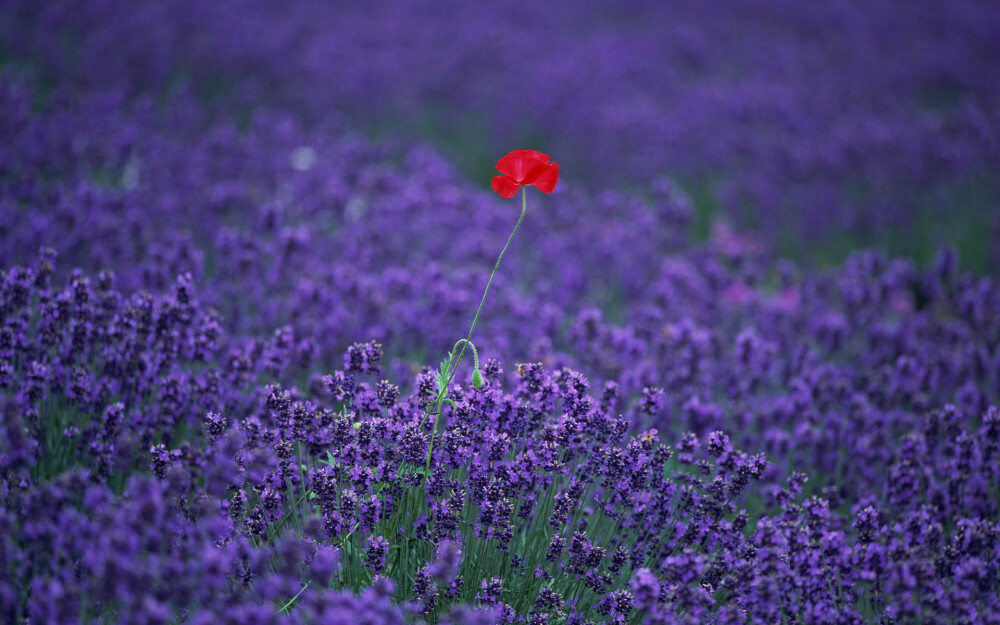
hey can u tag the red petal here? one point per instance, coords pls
(547, 178)
(505, 186)
(519, 163)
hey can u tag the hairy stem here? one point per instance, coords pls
(454, 367)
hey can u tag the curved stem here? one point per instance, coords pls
(524, 209)
(467, 341)
(475, 354)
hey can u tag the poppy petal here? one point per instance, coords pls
(519, 163)
(505, 186)
(547, 178)
(533, 174)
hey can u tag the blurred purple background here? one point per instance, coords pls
(821, 127)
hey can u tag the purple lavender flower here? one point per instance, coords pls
(375, 553)
(364, 358)
(490, 591)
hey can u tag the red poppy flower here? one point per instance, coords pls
(521, 168)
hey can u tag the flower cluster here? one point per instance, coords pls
(538, 503)
(215, 335)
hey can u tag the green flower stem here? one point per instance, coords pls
(454, 369)
(524, 209)
(475, 354)
(285, 607)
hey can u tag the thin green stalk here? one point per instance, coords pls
(285, 607)
(454, 368)
(524, 209)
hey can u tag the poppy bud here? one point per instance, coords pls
(477, 378)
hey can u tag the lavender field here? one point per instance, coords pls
(294, 331)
